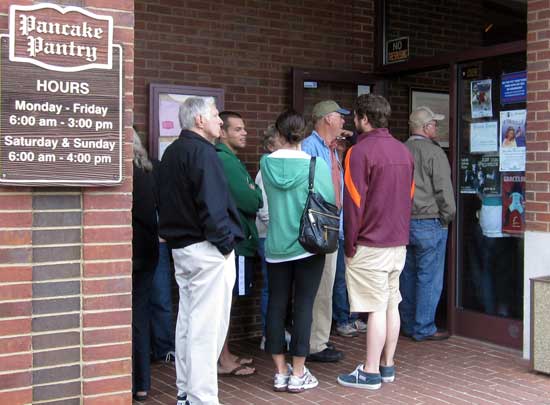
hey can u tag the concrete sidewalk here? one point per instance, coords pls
(456, 371)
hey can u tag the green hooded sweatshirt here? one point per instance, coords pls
(285, 174)
(248, 200)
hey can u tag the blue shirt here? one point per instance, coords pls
(314, 145)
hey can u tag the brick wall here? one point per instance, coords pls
(538, 129)
(65, 274)
(247, 48)
(435, 26)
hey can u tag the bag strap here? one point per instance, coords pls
(311, 172)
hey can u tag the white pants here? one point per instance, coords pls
(322, 307)
(205, 279)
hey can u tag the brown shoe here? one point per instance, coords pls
(439, 335)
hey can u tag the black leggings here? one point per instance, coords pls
(305, 274)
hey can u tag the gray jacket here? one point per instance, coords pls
(433, 196)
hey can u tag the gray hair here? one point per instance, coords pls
(192, 108)
(140, 154)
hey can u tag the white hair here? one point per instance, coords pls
(140, 154)
(192, 108)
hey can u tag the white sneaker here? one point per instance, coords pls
(300, 384)
(280, 381)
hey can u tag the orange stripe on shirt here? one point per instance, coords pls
(348, 181)
(413, 188)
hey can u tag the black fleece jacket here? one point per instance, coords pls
(195, 204)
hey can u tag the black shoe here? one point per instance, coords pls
(326, 356)
(331, 346)
(404, 334)
(182, 400)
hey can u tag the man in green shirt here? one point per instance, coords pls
(248, 199)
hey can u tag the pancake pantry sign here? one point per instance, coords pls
(61, 89)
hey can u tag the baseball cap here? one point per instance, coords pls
(422, 115)
(323, 108)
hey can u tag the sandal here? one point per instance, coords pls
(236, 372)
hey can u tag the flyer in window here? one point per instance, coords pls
(513, 202)
(489, 181)
(480, 174)
(512, 140)
(484, 137)
(481, 98)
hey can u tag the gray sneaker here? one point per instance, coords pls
(280, 381)
(360, 325)
(347, 330)
(300, 384)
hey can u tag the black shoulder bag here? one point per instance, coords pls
(320, 223)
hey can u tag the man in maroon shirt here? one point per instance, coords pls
(379, 186)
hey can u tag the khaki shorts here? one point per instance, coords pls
(372, 278)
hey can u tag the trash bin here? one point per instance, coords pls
(540, 324)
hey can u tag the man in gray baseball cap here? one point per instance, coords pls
(422, 116)
(433, 209)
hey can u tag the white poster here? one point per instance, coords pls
(481, 98)
(484, 137)
(512, 140)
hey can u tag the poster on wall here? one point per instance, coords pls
(512, 140)
(513, 202)
(513, 88)
(484, 137)
(481, 98)
(169, 123)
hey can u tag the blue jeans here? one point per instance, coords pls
(264, 296)
(340, 303)
(421, 281)
(162, 326)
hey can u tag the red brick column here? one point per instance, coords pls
(538, 116)
(65, 272)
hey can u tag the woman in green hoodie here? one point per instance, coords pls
(285, 175)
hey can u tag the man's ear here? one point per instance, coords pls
(223, 133)
(199, 121)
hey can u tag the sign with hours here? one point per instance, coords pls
(60, 98)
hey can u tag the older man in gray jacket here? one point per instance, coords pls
(433, 209)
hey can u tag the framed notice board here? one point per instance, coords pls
(164, 104)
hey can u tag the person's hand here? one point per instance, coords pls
(345, 133)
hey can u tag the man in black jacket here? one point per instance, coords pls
(200, 223)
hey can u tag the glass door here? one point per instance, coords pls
(491, 116)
